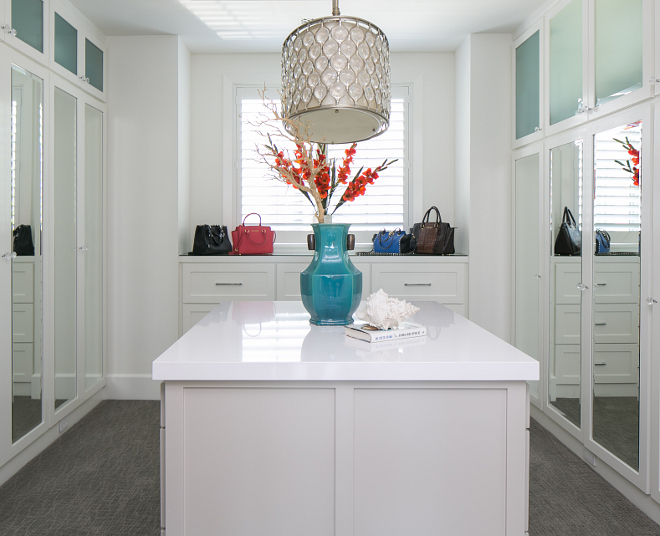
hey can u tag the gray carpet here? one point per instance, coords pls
(615, 426)
(101, 478)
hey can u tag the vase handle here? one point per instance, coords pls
(350, 242)
(311, 242)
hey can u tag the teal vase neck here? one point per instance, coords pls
(330, 239)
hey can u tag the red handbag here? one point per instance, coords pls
(253, 239)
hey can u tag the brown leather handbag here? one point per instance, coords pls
(434, 238)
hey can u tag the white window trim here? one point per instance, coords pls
(232, 189)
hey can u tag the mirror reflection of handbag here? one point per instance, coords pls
(602, 242)
(211, 240)
(569, 238)
(434, 238)
(393, 242)
(253, 239)
(23, 244)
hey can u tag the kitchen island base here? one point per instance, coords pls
(360, 458)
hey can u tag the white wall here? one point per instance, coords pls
(462, 182)
(212, 141)
(484, 152)
(185, 233)
(142, 204)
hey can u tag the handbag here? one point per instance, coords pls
(211, 240)
(253, 239)
(393, 242)
(602, 242)
(433, 238)
(23, 244)
(569, 238)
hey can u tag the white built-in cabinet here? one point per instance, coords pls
(207, 281)
(52, 178)
(590, 318)
(582, 60)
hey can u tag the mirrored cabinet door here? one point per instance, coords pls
(566, 187)
(93, 247)
(26, 175)
(65, 244)
(527, 273)
(617, 251)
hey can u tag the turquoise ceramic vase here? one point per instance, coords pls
(331, 287)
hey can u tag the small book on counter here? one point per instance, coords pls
(365, 332)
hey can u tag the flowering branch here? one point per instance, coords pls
(633, 168)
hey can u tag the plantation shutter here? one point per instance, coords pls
(617, 200)
(287, 211)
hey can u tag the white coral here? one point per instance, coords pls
(384, 312)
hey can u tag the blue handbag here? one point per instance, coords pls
(395, 242)
(602, 242)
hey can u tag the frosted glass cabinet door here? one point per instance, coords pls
(94, 65)
(66, 44)
(65, 261)
(94, 245)
(565, 38)
(27, 18)
(618, 48)
(528, 86)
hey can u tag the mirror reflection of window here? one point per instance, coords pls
(618, 186)
(566, 187)
(26, 168)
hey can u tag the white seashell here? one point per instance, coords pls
(384, 312)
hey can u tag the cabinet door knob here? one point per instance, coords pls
(83, 248)
(582, 286)
(651, 301)
(9, 255)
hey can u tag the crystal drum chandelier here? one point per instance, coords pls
(336, 79)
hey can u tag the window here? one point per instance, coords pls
(289, 213)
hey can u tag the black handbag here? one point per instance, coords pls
(569, 238)
(23, 244)
(211, 240)
(433, 238)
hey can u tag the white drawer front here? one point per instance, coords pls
(23, 322)
(207, 283)
(567, 324)
(616, 363)
(446, 284)
(616, 283)
(617, 324)
(22, 282)
(194, 312)
(566, 367)
(23, 362)
(567, 277)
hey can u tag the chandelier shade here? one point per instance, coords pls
(336, 80)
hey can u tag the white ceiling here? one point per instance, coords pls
(208, 26)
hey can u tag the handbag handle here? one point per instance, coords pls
(252, 214)
(382, 233)
(438, 218)
(568, 217)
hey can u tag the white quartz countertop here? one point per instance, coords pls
(274, 341)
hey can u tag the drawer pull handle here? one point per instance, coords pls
(600, 364)
(602, 284)
(229, 284)
(417, 284)
(601, 323)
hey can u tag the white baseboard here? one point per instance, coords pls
(131, 387)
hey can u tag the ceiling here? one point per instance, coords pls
(213, 26)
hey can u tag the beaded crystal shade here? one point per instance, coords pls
(336, 79)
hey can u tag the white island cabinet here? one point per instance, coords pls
(274, 427)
